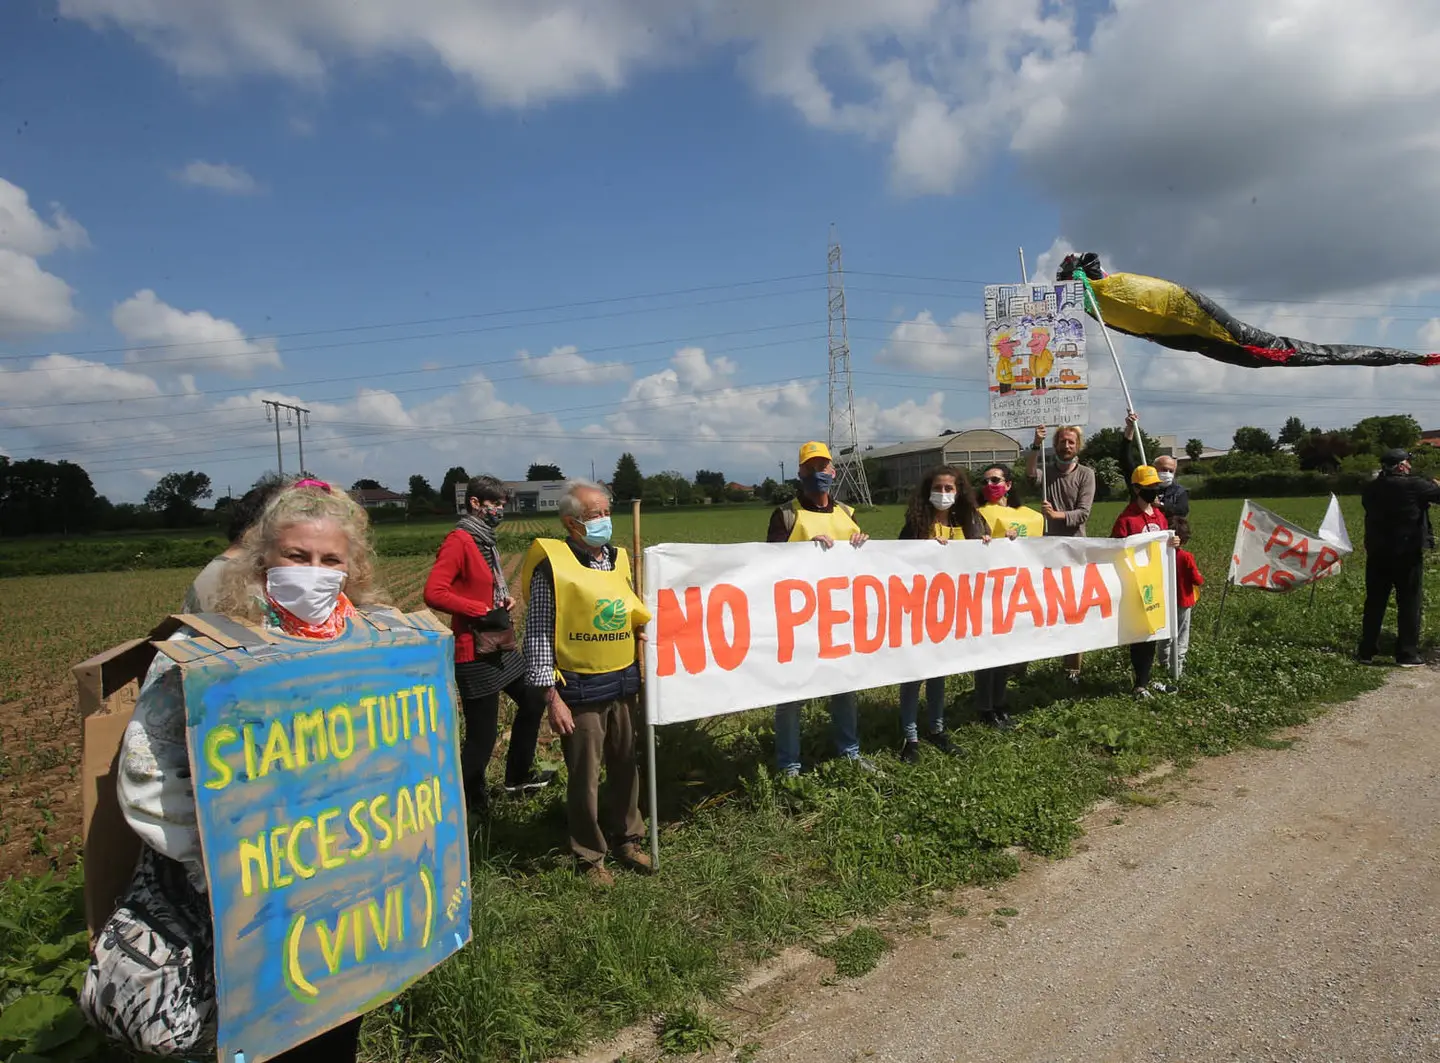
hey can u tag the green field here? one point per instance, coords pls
(751, 864)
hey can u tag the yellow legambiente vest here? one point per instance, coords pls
(838, 523)
(1024, 520)
(946, 531)
(595, 612)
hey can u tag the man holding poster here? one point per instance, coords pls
(815, 516)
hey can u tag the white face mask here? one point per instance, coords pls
(308, 592)
(942, 500)
(1166, 477)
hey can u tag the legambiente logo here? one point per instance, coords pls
(610, 614)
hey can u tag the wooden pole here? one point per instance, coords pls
(638, 576)
(1224, 592)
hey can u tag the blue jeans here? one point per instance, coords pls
(844, 729)
(934, 706)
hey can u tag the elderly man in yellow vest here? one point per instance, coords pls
(580, 640)
(816, 517)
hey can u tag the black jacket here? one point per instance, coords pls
(1396, 521)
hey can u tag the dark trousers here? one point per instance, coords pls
(1142, 660)
(340, 1045)
(1405, 576)
(604, 736)
(990, 689)
(482, 726)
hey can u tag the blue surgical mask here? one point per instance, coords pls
(819, 482)
(597, 531)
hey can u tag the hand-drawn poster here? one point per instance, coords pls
(1035, 355)
(333, 827)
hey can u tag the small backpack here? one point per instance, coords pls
(151, 980)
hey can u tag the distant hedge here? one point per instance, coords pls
(1278, 484)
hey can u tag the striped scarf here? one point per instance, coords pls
(484, 537)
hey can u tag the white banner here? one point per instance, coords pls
(1035, 339)
(1273, 554)
(745, 625)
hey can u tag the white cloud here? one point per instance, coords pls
(1429, 333)
(566, 365)
(218, 177)
(32, 300)
(878, 426)
(923, 345)
(180, 341)
(24, 231)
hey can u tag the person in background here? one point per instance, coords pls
(815, 516)
(468, 582)
(1001, 508)
(1140, 516)
(304, 569)
(1173, 499)
(576, 586)
(1396, 534)
(942, 508)
(1188, 582)
(1069, 496)
(244, 512)
(997, 485)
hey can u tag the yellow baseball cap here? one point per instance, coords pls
(814, 449)
(1144, 476)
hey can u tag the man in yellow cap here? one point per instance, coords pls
(580, 640)
(815, 516)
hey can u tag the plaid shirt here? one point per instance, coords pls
(540, 616)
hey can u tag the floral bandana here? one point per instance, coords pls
(330, 628)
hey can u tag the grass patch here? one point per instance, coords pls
(687, 1030)
(857, 952)
(1008, 913)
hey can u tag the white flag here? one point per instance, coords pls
(1273, 554)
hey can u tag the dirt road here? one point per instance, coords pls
(1281, 905)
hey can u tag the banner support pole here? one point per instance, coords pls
(638, 575)
(1224, 593)
(1174, 612)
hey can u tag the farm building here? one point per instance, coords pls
(375, 498)
(904, 464)
(533, 496)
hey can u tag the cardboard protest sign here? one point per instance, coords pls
(1035, 339)
(331, 819)
(743, 625)
(1272, 554)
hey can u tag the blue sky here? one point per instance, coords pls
(246, 191)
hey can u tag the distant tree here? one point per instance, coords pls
(1250, 440)
(39, 497)
(420, 487)
(366, 485)
(628, 482)
(174, 496)
(1375, 435)
(1109, 480)
(711, 484)
(1249, 461)
(1292, 432)
(540, 471)
(1324, 451)
(1193, 449)
(1110, 443)
(668, 488)
(456, 474)
(876, 478)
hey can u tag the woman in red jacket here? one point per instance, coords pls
(468, 582)
(1139, 517)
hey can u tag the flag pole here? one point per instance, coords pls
(1093, 305)
(1224, 592)
(638, 576)
(1040, 461)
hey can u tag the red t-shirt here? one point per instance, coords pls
(1187, 577)
(1135, 521)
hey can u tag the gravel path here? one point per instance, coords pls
(1283, 905)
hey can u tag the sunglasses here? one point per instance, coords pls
(994, 480)
(320, 484)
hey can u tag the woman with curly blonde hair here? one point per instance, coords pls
(302, 570)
